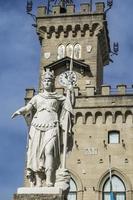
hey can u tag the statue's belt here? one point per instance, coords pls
(45, 127)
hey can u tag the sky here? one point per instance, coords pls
(19, 69)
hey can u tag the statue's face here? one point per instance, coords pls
(48, 84)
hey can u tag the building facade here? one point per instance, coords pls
(103, 120)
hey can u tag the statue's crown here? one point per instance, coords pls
(49, 74)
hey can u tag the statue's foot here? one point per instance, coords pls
(32, 184)
(38, 180)
(49, 184)
(49, 178)
(39, 184)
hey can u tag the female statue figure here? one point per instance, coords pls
(47, 125)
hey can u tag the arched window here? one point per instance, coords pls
(73, 191)
(113, 137)
(61, 52)
(77, 51)
(69, 50)
(118, 189)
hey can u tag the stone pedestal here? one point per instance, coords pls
(45, 193)
(38, 197)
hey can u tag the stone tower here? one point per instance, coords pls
(103, 121)
(85, 33)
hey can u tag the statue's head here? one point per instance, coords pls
(48, 82)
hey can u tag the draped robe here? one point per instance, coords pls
(51, 116)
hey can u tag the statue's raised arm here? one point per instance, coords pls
(22, 110)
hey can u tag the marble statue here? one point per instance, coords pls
(51, 119)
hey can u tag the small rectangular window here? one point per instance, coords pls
(113, 137)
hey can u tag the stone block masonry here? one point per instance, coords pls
(38, 197)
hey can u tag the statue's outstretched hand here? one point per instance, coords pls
(15, 114)
(22, 110)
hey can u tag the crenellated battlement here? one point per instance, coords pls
(106, 90)
(110, 104)
(85, 8)
(90, 91)
(94, 23)
(29, 93)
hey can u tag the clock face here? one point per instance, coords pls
(67, 78)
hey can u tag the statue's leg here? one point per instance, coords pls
(38, 179)
(49, 163)
(31, 176)
(49, 178)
